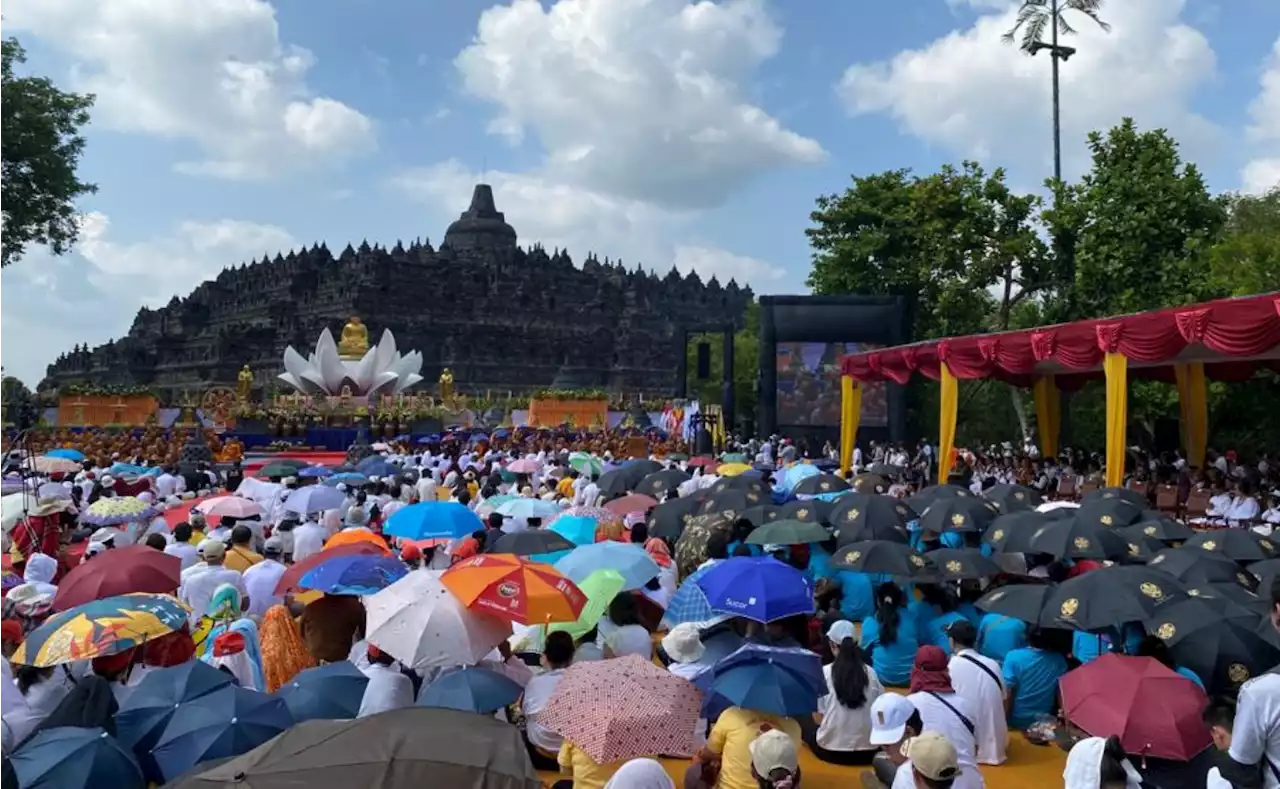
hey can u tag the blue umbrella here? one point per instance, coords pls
(432, 520)
(69, 757)
(794, 475)
(798, 660)
(471, 689)
(764, 687)
(228, 722)
(577, 529)
(333, 690)
(314, 498)
(66, 454)
(315, 471)
(347, 478)
(523, 509)
(148, 709)
(632, 562)
(757, 587)
(376, 466)
(689, 603)
(354, 574)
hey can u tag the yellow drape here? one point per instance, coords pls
(1193, 406)
(1048, 414)
(1116, 367)
(850, 415)
(950, 403)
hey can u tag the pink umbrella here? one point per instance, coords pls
(524, 466)
(229, 506)
(632, 502)
(623, 708)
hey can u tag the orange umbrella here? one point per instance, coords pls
(353, 536)
(513, 588)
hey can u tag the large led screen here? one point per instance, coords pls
(808, 385)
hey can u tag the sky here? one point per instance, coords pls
(661, 132)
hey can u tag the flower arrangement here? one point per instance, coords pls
(92, 390)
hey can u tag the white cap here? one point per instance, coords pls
(684, 643)
(840, 630)
(92, 549)
(273, 544)
(104, 535)
(773, 750)
(889, 715)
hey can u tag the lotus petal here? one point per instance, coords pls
(386, 351)
(365, 370)
(329, 363)
(383, 383)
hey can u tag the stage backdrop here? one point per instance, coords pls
(801, 341)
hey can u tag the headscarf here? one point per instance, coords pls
(284, 653)
(224, 607)
(11, 631)
(40, 571)
(171, 649)
(930, 671)
(641, 774)
(1084, 766)
(657, 549)
(611, 530)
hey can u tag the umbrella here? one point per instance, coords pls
(1018, 601)
(884, 469)
(102, 627)
(289, 581)
(929, 495)
(66, 454)
(1109, 597)
(69, 757)
(1077, 539)
(618, 482)
(354, 574)
(632, 502)
(412, 746)
(432, 519)
(1160, 528)
(1133, 497)
(577, 529)
(531, 542)
(376, 466)
(278, 469)
(419, 621)
(523, 509)
(622, 709)
(351, 479)
(121, 509)
(315, 472)
(731, 502)
(227, 722)
(1197, 568)
(600, 588)
(156, 699)
(958, 564)
(632, 562)
(53, 490)
(1240, 545)
(314, 498)
(864, 516)
(733, 457)
(586, 463)
(470, 689)
(968, 513)
(1141, 547)
(642, 467)
(1220, 642)
(705, 461)
(1265, 571)
(769, 686)
(818, 484)
(881, 557)
(659, 482)
(732, 469)
(492, 503)
(798, 660)
(49, 464)
(1107, 513)
(760, 588)
(355, 535)
(524, 466)
(668, 519)
(135, 568)
(759, 516)
(1234, 594)
(743, 483)
(870, 483)
(229, 506)
(811, 511)
(1012, 533)
(1152, 709)
(514, 588)
(1013, 498)
(788, 532)
(689, 604)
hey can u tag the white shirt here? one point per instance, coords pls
(536, 695)
(260, 583)
(844, 728)
(1255, 736)
(197, 590)
(41, 699)
(936, 717)
(630, 640)
(589, 496)
(388, 689)
(308, 539)
(166, 485)
(187, 553)
(986, 697)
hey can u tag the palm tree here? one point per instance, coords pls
(1033, 18)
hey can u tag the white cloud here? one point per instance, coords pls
(711, 261)
(212, 72)
(92, 295)
(1263, 173)
(974, 95)
(642, 99)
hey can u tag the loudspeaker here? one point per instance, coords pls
(704, 361)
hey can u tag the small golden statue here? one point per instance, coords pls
(446, 385)
(355, 339)
(244, 383)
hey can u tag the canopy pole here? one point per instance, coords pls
(1193, 404)
(1116, 367)
(850, 415)
(949, 403)
(1048, 414)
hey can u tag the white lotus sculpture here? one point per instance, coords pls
(382, 370)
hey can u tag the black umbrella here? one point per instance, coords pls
(1142, 548)
(921, 501)
(881, 557)
(745, 483)
(811, 511)
(1110, 597)
(788, 532)
(861, 516)
(958, 564)
(1013, 498)
(968, 513)
(642, 467)
(1108, 513)
(731, 502)
(1195, 567)
(884, 469)
(668, 519)
(1265, 571)
(818, 484)
(1135, 498)
(618, 482)
(1222, 644)
(1160, 528)
(1240, 545)
(1233, 594)
(1018, 601)
(870, 483)
(760, 514)
(531, 542)
(659, 482)
(1076, 539)
(1012, 533)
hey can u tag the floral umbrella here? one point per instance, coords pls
(121, 509)
(102, 627)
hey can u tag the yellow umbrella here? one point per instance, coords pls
(101, 627)
(732, 469)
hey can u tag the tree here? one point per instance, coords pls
(1247, 258)
(746, 366)
(1034, 18)
(42, 144)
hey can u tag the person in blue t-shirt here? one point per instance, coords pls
(857, 595)
(891, 636)
(934, 612)
(1031, 676)
(1153, 647)
(999, 634)
(1088, 647)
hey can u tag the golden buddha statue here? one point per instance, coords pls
(446, 384)
(244, 383)
(355, 339)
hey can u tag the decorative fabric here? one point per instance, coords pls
(658, 551)
(284, 653)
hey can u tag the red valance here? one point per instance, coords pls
(1230, 331)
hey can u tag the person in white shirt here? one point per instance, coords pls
(840, 732)
(943, 710)
(976, 680)
(589, 495)
(1244, 507)
(197, 589)
(308, 539)
(181, 546)
(542, 743)
(894, 721)
(1098, 763)
(388, 689)
(260, 579)
(166, 484)
(35, 693)
(1254, 742)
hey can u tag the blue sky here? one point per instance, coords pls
(652, 130)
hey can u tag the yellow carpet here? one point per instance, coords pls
(1028, 765)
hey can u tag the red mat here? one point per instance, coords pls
(251, 467)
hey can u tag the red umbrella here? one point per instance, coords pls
(290, 579)
(1152, 709)
(632, 502)
(704, 461)
(135, 568)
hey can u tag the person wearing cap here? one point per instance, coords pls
(976, 680)
(839, 733)
(683, 645)
(931, 762)
(943, 710)
(774, 761)
(893, 721)
(198, 587)
(730, 742)
(261, 578)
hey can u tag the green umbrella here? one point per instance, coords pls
(278, 470)
(787, 532)
(677, 456)
(586, 463)
(600, 588)
(734, 457)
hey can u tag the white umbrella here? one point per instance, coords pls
(314, 498)
(419, 622)
(13, 507)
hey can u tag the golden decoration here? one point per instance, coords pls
(852, 514)
(1166, 631)
(1209, 545)
(1107, 520)
(824, 486)
(1151, 590)
(753, 497)
(1267, 546)
(852, 557)
(1081, 543)
(918, 561)
(1150, 531)
(1238, 673)
(1193, 592)
(1158, 559)
(957, 519)
(1019, 495)
(954, 566)
(801, 514)
(1134, 550)
(355, 339)
(1069, 607)
(998, 535)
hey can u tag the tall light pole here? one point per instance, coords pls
(1057, 52)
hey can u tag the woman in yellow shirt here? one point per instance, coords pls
(730, 742)
(583, 771)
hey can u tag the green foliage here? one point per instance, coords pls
(1035, 17)
(1247, 258)
(571, 394)
(95, 390)
(746, 365)
(42, 144)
